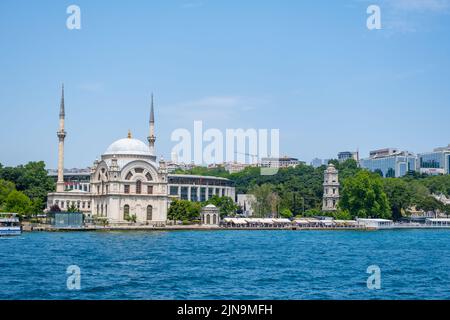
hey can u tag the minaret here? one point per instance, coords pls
(61, 136)
(151, 138)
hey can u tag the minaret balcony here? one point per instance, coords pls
(61, 134)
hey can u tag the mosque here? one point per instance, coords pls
(128, 183)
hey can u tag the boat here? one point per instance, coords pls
(10, 225)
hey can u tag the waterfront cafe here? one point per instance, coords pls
(256, 222)
(376, 223)
(438, 222)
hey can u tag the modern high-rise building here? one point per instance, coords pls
(316, 162)
(390, 162)
(345, 155)
(435, 162)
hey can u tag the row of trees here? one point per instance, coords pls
(23, 189)
(299, 190)
(185, 210)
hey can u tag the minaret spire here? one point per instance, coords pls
(151, 138)
(62, 112)
(152, 113)
(61, 134)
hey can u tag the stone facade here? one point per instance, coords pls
(210, 215)
(330, 189)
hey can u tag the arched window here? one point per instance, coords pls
(214, 219)
(149, 213)
(138, 187)
(128, 176)
(126, 212)
(208, 219)
(148, 176)
(101, 210)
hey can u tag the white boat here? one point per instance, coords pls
(9, 225)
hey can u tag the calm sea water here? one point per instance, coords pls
(415, 264)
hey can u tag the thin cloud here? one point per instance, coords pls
(214, 107)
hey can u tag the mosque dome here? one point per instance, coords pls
(128, 146)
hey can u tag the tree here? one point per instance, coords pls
(446, 209)
(399, 195)
(266, 201)
(363, 196)
(17, 202)
(226, 205)
(6, 187)
(183, 210)
(72, 208)
(55, 208)
(32, 179)
(342, 215)
(286, 213)
(313, 213)
(379, 172)
(430, 204)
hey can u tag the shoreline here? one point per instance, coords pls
(42, 228)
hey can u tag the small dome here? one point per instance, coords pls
(128, 146)
(210, 206)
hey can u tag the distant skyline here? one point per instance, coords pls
(311, 69)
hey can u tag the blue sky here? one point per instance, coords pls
(310, 68)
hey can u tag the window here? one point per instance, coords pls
(126, 212)
(128, 176)
(138, 187)
(173, 190)
(148, 176)
(127, 188)
(149, 213)
(208, 219)
(149, 189)
(138, 170)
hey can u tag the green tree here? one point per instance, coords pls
(266, 200)
(286, 213)
(226, 205)
(18, 202)
(183, 210)
(32, 179)
(446, 209)
(342, 215)
(6, 187)
(430, 204)
(72, 208)
(363, 196)
(399, 194)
